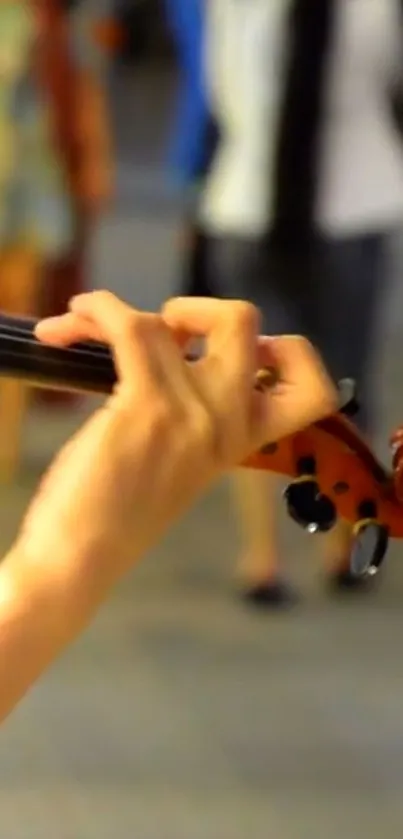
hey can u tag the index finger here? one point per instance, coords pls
(101, 316)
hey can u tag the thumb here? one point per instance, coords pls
(302, 393)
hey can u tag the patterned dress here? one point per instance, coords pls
(35, 203)
(35, 208)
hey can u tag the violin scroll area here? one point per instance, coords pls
(306, 504)
(369, 548)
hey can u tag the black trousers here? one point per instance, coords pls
(330, 292)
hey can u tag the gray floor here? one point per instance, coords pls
(180, 715)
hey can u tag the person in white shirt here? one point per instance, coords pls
(303, 194)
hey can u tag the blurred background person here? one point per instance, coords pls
(194, 136)
(170, 659)
(85, 144)
(55, 169)
(299, 205)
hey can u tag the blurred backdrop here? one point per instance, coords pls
(182, 713)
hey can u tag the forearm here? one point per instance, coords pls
(43, 608)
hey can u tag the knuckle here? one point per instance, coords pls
(303, 343)
(136, 324)
(103, 295)
(169, 305)
(303, 347)
(176, 308)
(245, 315)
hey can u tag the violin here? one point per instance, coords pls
(333, 471)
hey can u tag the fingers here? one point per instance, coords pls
(304, 393)
(230, 329)
(216, 320)
(101, 316)
(223, 380)
(139, 341)
(225, 374)
(99, 313)
(64, 330)
(300, 365)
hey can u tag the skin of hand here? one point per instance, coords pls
(169, 429)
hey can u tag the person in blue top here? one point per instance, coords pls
(188, 149)
(194, 135)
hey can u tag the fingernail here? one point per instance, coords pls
(50, 320)
(47, 323)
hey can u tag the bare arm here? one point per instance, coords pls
(41, 613)
(167, 432)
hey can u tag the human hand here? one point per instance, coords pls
(169, 429)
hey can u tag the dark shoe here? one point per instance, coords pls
(344, 581)
(274, 595)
